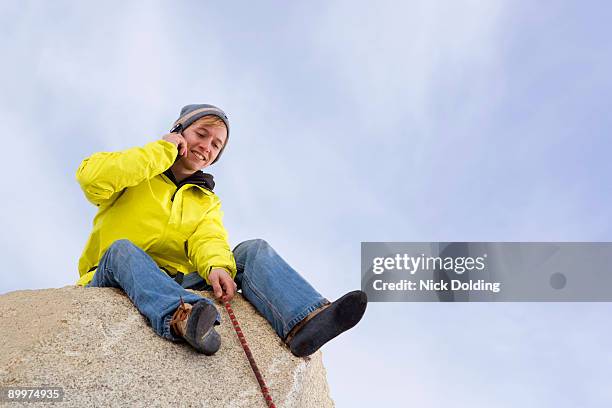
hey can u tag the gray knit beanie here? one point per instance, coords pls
(191, 113)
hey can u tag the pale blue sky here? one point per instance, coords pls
(351, 121)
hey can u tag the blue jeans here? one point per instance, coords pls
(275, 289)
(155, 294)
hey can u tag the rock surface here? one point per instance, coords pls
(99, 348)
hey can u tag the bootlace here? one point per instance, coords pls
(180, 315)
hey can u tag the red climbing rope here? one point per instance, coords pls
(247, 351)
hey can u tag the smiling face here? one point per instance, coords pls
(205, 138)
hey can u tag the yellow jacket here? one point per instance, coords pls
(181, 230)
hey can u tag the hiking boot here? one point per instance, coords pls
(196, 325)
(327, 322)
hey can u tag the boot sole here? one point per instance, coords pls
(340, 316)
(201, 326)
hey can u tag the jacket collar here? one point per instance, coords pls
(199, 178)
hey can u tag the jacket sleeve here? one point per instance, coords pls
(103, 176)
(208, 248)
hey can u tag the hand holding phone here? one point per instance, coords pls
(179, 142)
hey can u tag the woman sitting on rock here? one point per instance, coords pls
(159, 230)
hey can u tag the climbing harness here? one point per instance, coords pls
(262, 384)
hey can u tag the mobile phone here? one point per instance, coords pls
(178, 128)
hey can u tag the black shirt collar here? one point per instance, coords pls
(199, 178)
